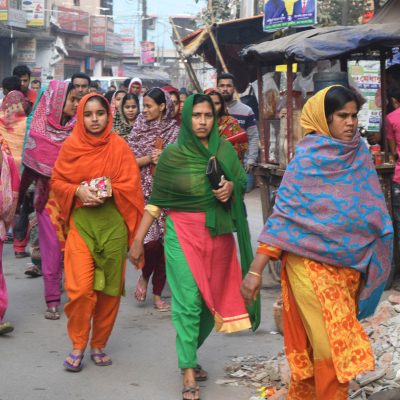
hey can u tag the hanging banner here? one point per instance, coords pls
(147, 50)
(34, 12)
(279, 14)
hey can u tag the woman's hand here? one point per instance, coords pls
(250, 288)
(225, 192)
(88, 196)
(252, 282)
(136, 254)
(155, 155)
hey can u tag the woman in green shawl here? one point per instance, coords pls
(203, 270)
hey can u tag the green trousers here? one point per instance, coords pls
(191, 317)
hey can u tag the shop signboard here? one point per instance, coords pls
(73, 21)
(367, 76)
(147, 52)
(16, 18)
(113, 43)
(26, 51)
(128, 40)
(34, 12)
(98, 33)
(279, 14)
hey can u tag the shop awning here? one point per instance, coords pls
(324, 43)
(232, 37)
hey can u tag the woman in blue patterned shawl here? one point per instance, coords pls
(331, 228)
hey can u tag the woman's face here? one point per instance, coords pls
(95, 117)
(217, 103)
(118, 99)
(344, 122)
(71, 104)
(182, 98)
(176, 104)
(151, 110)
(130, 110)
(202, 121)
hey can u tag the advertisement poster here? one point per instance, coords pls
(367, 76)
(280, 14)
(34, 12)
(147, 52)
(98, 33)
(3, 10)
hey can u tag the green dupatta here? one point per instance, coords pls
(180, 183)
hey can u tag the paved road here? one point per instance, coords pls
(142, 346)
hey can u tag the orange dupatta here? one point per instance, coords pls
(84, 157)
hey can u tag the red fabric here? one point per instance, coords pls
(31, 96)
(84, 157)
(215, 267)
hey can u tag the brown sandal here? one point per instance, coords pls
(201, 375)
(193, 391)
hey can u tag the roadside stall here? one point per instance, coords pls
(334, 50)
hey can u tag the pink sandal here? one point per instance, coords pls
(140, 292)
(161, 305)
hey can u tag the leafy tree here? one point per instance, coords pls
(222, 10)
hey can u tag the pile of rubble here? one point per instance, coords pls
(381, 384)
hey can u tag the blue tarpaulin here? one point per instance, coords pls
(324, 43)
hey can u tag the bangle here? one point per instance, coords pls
(254, 273)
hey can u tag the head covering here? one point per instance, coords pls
(114, 109)
(145, 135)
(135, 80)
(13, 123)
(180, 183)
(313, 115)
(85, 157)
(15, 104)
(170, 90)
(8, 191)
(45, 134)
(121, 124)
(330, 207)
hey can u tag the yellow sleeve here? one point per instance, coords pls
(154, 211)
(274, 252)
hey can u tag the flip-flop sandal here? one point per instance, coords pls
(71, 367)
(52, 313)
(5, 327)
(33, 271)
(140, 292)
(162, 306)
(201, 375)
(97, 358)
(193, 390)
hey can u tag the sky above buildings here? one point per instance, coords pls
(128, 13)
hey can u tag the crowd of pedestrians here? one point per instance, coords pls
(159, 175)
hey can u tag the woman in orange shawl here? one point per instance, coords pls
(100, 228)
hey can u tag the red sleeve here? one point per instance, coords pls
(389, 129)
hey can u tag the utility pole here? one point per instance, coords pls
(144, 20)
(345, 12)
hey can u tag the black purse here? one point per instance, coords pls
(214, 172)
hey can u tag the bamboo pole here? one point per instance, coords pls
(186, 60)
(289, 107)
(217, 49)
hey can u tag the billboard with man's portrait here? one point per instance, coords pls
(280, 14)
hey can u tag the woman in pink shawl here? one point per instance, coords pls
(14, 110)
(51, 123)
(9, 183)
(154, 129)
